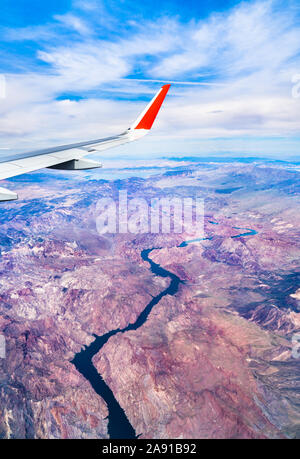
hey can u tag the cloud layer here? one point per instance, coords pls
(86, 77)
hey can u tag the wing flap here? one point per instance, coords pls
(22, 166)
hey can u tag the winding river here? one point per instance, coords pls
(118, 423)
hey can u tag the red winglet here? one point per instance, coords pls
(150, 115)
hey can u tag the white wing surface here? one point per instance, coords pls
(69, 157)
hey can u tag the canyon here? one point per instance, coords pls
(211, 360)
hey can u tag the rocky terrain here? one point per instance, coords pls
(212, 360)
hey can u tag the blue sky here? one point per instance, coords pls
(81, 69)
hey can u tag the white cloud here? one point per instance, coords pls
(84, 67)
(244, 61)
(74, 22)
(250, 38)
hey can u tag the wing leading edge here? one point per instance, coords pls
(69, 157)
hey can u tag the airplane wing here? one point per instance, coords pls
(69, 157)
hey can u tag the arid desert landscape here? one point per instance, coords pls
(152, 335)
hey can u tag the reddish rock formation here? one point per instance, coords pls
(213, 361)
